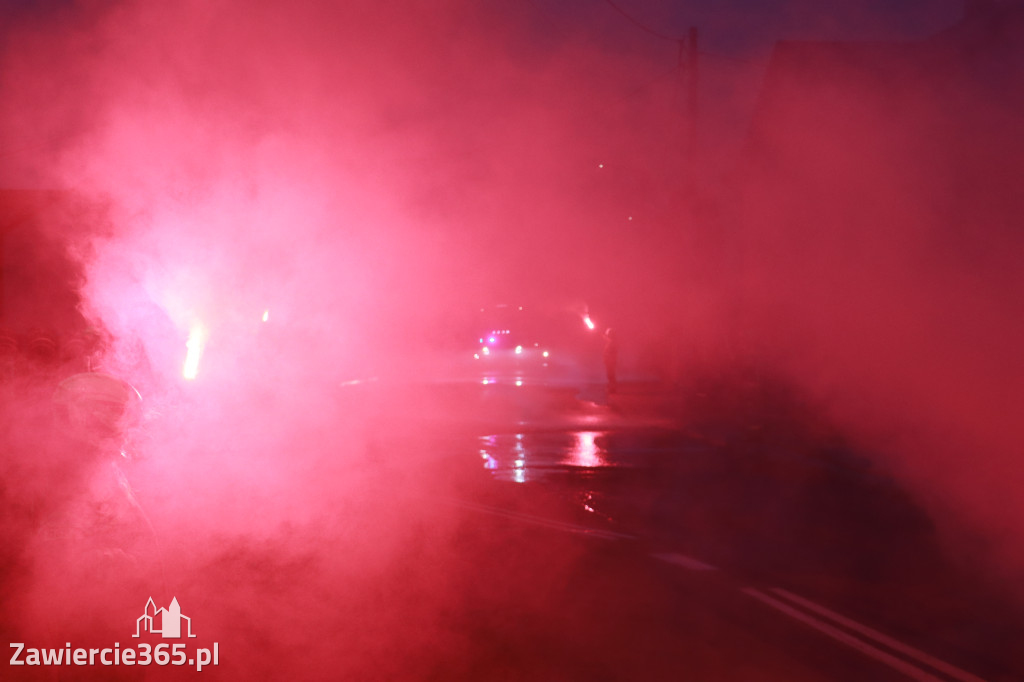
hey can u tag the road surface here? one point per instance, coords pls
(500, 532)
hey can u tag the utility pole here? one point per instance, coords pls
(688, 55)
(691, 94)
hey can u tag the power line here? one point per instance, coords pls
(675, 39)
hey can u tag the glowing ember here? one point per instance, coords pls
(196, 339)
(587, 321)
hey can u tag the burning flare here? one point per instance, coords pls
(196, 340)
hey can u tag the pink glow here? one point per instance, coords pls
(369, 170)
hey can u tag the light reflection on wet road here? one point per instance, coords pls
(596, 471)
(521, 457)
(643, 531)
(703, 502)
(545, 455)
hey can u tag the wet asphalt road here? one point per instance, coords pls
(542, 533)
(632, 542)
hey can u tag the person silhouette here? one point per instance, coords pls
(611, 359)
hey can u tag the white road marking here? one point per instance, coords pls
(684, 561)
(824, 627)
(846, 638)
(882, 638)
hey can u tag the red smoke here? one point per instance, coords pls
(365, 171)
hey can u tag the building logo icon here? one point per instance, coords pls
(167, 621)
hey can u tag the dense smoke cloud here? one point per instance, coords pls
(361, 174)
(881, 236)
(365, 172)
(417, 141)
